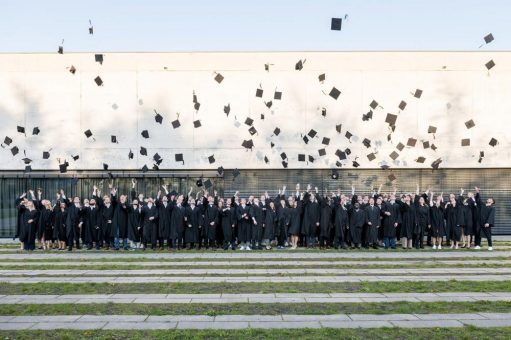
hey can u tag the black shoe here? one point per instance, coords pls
(126, 248)
(98, 247)
(70, 249)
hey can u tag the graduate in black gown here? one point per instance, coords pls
(165, 206)
(357, 220)
(74, 223)
(391, 219)
(28, 224)
(244, 224)
(135, 224)
(423, 224)
(270, 222)
(177, 222)
(45, 227)
(282, 209)
(120, 223)
(311, 217)
(436, 213)
(469, 206)
(257, 215)
(486, 216)
(373, 224)
(228, 213)
(211, 220)
(150, 223)
(341, 221)
(453, 213)
(408, 220)
(325, 220)
(59, 221)
(293, 219)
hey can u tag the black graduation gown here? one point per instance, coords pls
(164, 220)
(105, 214)
(177, 222)
(467, 219)
(311, 216)
(270, 221)
(120, 221)
(150, 226)
(228, 222)
(210, 215)
(408, 219)
(59, 223)
(373, 216)
(244, 223)
(357, 220)
(257, 229)
(28, 230)
(293, 219)
(74, 217)
(436, 215)
(282, 216)
(341, 221)
(45, 227)
(92, 222)
(135, 230)
(487, 215)
(19, 220)
(422, 213)
(451, 218)
(389, 221)
(325, 220)
(193, 216)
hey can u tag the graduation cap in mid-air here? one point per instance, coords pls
(219, 78)
(113, 139)
(371, 157)
(325, 141)
(46, 154)
(465, 142)
(248, 144)
(249, 121)
(338, 128)
(60, 50)
(130, 154)
(211, 159)
(179, 158)
(400, 146)
(299, 65)
(21, 129)
(98, 81)
(322, 77)
(176, 123)
(301, 157)
(105, 166)
(235, 173)
(493, 142)
(98, 58)
(394, 155)
(75, 157)
(418, 93)
(72, 69)
(420, 159)
(7, 140)
(88, 133)
(432, 129)
(411, 142)
(197, 124)
(312, 133)
(366, 142)
(391, 119)
(157, 158)
(488, 38)
(158, 118)
(143, 151)
(259, 93)
(436, 164)
(322, 152)
(470, 124)
(220, 170)
(489, 65)
(36, 131)
(334, 93)
(367, 116)
(374, 104)
(227, 109)
(15, 150)
(145, 134)
(208, 184)
(91, 28)
(266, 160)
(402, 105)
(276, 132)
(145, 169)
(336, 24)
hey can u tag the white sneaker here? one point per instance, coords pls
(248, 248)
(439, 246)
(490, 248)
(242, 248)
(477, 247)
(434, 246)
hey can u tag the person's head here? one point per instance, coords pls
(360, 200)
(421, 200)
(256, 201)
(357, 205)
(291, 200)
(371, 201)
(165, 199)
(408, 198)
(282, 203)
(365, 199)
(92, 202)
(106, 199)
(191, 201)
(211, 199)
(438, 201)
(251, 198)
(470, 194)
(379, 200)
(228, 202)
(150, 200)
(30, 205)
(46, 204)
(490, 201)
(243, 201)
(263, 198)
(180, 199)
(141, 197)
(452, 199)
(76, 200)
(220, 204)
(62, 206)
(123, 199)
(272, 205)
(392, 198)
(134, 204)
(86, 202)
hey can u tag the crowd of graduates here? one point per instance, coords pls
(303, 218)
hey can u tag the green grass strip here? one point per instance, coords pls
(254, 287)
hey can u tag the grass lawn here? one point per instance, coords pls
(254, 287)
(249, 334)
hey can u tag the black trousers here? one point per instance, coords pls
(487, 233)
(282, 234)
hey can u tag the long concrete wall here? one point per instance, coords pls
(37, 90)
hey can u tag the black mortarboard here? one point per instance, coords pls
(356, 164)
(488, 38)
(26, 160)
(219, 78)
(199, 182)
(196, 106)
(113, 139)
(248, 144)
(28, 168)
(284, 164)
(322, 77)
(391, 119)
(367, 116)
(98, 81)
(323, 112)
(145, 134)
(63, 167)
(157, 157)
(391, 177)
(326, 141)
(158, 118)
(266, 160)
(277, 95)
(179, 157)
(130, 155)
(301, 157)
(98, 58)
(338, 128)
(334, 93)
(493, 142)
(425, 145)
(36, 131)
(7, 140)
(272, 144)
(235, 173)
(348, 135)
(312, 133)
(394, 155)
(194, 98)
(299, 65)
(470, 124)
(267, 67)
(88, 133)
(91, 30)
(371, 156)
(433, 147)
(14, 150)
(197, 124)
(208, 184)
(411, 142)
(156, 167)
(311, 159)
(145, 168)
(249, 121)
(75, 158)
(339, 164)
(432, 129)
(252, 131)
(420, 160)
(268, 104)
(21, 129)
(61, 50)
(400, 146)
(436, 163)
(465, 142)
(220, 170)
(481, 153)
(259, 93)
(305, 139)
(322, 152)
(489, 65)
(366, 142)
(336, 24)
(227, 109)
(283, 156)
(418, 93)
(105, 166)
(341, 154)
(374, 104)
(211, 159)
(46, 154)
(402, 105)
(276, 132)
(176, 124)
(72, 69)
(143, 151)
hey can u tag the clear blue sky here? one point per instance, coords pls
(256, 25)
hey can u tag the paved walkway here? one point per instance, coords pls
(339, 262)
(247, 272)
(255, 298)
(241, 279)
(261, 255)
(253, 321)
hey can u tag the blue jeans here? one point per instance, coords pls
(124, 243)
(392, 241)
